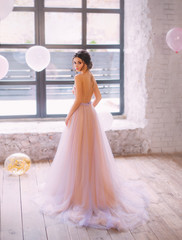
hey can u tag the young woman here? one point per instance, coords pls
(83, 185)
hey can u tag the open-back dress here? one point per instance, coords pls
(83, 185)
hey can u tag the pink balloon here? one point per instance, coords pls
(37, 58)
(4, 66)
(174, 39)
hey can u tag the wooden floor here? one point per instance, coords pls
(21, 220)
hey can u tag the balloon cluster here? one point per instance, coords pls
(37, 57)
(6, 6)
(174, 39)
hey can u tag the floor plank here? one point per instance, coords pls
(54, 229)
(115, 235)
(173, 221)
(145, 236)
(11, 219)
(98, 234)
(57, 232)
(174, 203)
(171, 175)
(83, 234)
(33, 221)
(73, 232)
(179, 234)
(162, 231)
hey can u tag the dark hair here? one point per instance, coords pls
(85, 56)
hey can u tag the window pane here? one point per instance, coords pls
(17, 100)
(63, 28)
(23, 3)
(60, 68)
(103, 28)
(17, 28)
(59, 99)
(110, 101)
(103, 3)
(106, 64)
(18, 68)
(58, 3)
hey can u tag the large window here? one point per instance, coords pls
(63, 27)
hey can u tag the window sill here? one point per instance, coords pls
(58, 125)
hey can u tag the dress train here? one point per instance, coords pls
(83, 185)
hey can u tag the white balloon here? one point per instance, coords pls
(37, 58)
(106, 120)
(6, 6)
(4, 66)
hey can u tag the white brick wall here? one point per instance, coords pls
(153, 72)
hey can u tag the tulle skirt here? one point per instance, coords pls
(83, 185)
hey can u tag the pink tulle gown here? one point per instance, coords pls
(83, 184)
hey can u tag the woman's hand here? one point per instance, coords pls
(74, 90)
(66, 121)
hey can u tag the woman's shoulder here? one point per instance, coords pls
(78, 76)
(83, 75)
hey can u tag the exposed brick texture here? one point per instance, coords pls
(153, 72)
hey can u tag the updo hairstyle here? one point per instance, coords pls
(85, 56)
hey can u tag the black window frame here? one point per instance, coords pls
(40, 81)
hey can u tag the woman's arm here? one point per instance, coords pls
(96, 93)
(76, 104)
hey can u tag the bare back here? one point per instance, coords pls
(87, 87)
